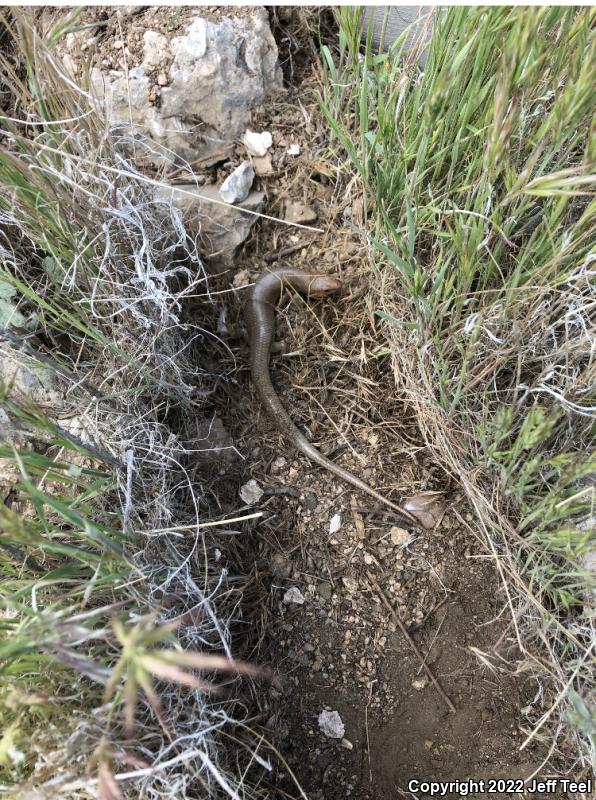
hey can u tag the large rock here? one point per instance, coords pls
(194, 93)
(221, 228)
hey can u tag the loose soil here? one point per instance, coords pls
(341, 650)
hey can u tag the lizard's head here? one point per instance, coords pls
(321, 286)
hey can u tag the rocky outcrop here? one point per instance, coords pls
(194, 93)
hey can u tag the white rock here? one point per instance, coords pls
(294, 595)
(257, 144)
(293, 150)
(155, 49)
(237, 185)
(193, 45)
(334, 524)
(251, 492)
(331, 725)
(218, 72)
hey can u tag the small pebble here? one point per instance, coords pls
(237, 185)
(399, 536)
(331, 725)
(298, 212)
(257, 144)
(294, 595)
(335, 523)
(251, 492)
(325, 591)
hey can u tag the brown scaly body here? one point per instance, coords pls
(260, 320)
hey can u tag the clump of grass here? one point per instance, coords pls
(479, 173)
(110, 592)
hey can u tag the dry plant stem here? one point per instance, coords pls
(560, 697)
(92, 260)
(198, 525)
(411, 642)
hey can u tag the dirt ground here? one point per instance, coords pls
(340, 649)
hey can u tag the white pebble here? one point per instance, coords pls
(331, 725)
(335, 523)
(257, 144)
(237, 185)
(294, 595)
(251, 492)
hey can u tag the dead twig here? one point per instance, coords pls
(410, 641)
(287, 251)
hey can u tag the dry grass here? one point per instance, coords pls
(479, 178)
